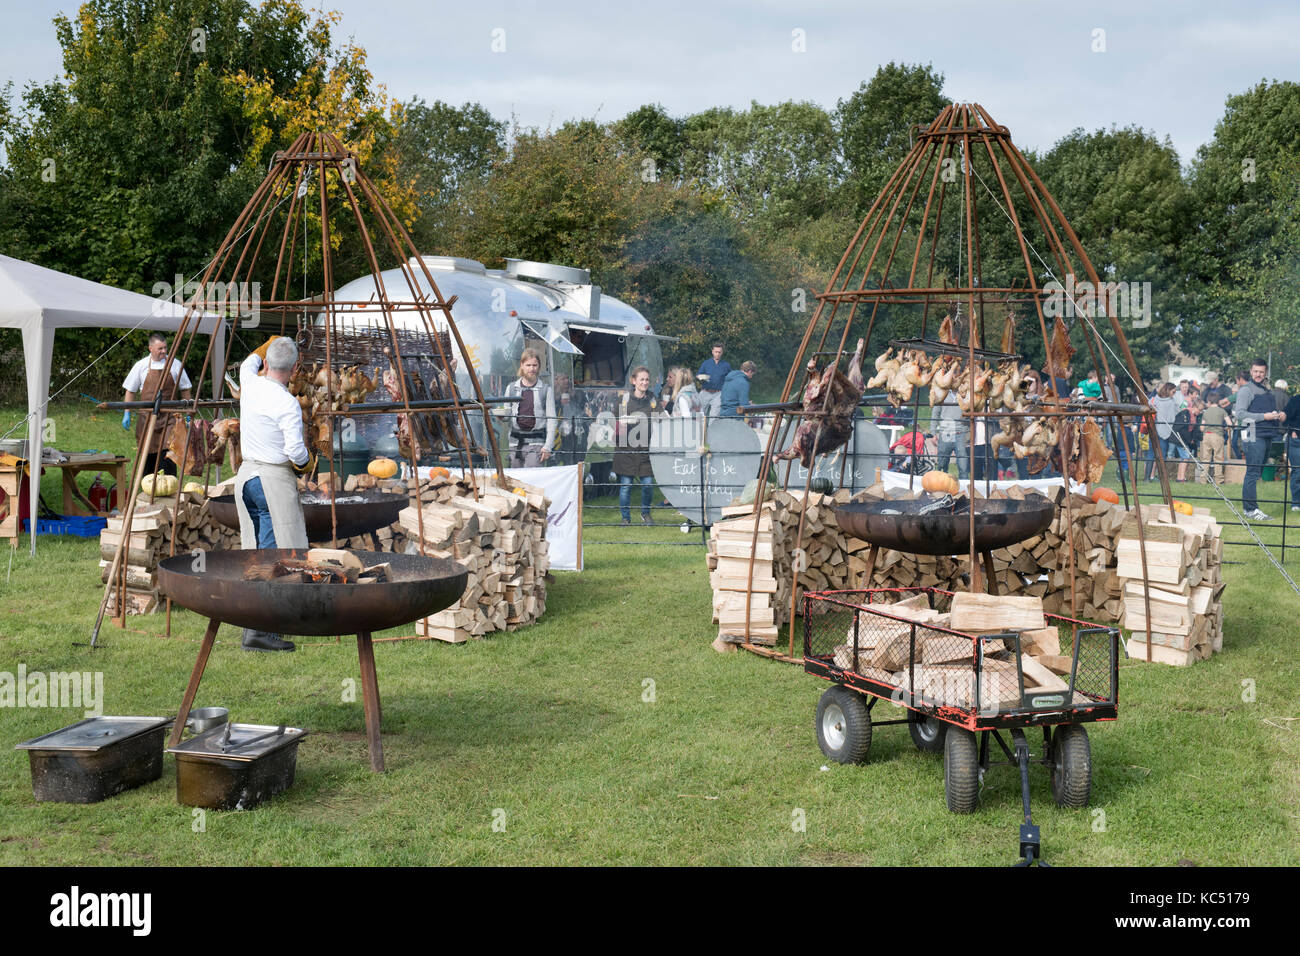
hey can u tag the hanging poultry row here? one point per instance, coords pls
(999, 388)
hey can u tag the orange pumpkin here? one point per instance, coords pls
(1105, 494)
(940, 482)
(382, 468)
(439, 473)
(1182, 507)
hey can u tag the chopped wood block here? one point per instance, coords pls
(985, 612)
(892, 652)
(953, 685)
(762, 551)
(1056, 663)
(760, 616)
(1042, 640)
(948, 648)
(450, 635)
(1159, 654)
(1040, 676)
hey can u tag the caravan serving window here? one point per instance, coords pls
(602, 361)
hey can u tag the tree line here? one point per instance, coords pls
(130, 167)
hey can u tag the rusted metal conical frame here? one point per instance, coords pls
(237, 260)
(962, 137)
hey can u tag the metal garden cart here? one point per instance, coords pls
(962, 692)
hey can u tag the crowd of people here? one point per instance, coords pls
(1210, 422)
(1215, 423)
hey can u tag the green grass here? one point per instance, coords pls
(550, 725)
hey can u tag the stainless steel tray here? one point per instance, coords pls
(213, 744)
(94, 734)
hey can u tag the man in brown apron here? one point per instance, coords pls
(147, 378)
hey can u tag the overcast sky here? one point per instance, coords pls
(1166, 66)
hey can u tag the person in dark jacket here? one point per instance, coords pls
(1256, 409)
(632, 459)
(713, 373)
(1292, 426)
(735, 390)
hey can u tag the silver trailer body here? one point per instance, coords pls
(593, 338)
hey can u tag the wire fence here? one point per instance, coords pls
(1275, 469)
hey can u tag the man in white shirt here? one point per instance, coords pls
(271, 439)
(145, 380)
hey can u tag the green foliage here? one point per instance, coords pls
(876, 125)
(774, 166)
(131, 168)
(650, 132)
(572, 196)
(1123, 193)
(440, 149)
(701, 276)
(1243, 185)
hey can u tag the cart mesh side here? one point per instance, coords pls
(868, 640)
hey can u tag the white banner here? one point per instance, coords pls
(563, 486)
(899, 479)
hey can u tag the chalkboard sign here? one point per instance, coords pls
(866, 450)
(699, 484)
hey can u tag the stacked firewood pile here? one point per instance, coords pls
(1104, 563)
(500, 538)
(730, 545)
(150, 542)
(1185, 586)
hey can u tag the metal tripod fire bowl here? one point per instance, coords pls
(906, 525)
(218, 586)
(358, 512)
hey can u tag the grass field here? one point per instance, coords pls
(609, 733)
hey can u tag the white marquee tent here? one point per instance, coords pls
(38, 301)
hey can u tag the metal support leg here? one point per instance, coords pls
(991, 582)
(178, 725)
(370, 700)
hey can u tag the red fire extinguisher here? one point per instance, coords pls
(101, 498)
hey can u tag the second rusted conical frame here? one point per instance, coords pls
(962, 167)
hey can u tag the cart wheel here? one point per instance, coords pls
(843, 726)
(1071, 766)
(927, 732)
(961, 770)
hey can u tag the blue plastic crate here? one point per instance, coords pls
(75, 525)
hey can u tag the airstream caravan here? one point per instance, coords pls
(588, 341)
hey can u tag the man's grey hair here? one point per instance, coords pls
(157, 337)
(282, 355)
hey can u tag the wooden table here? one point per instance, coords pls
(11, 481)
(115, 465)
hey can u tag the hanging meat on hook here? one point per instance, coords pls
(194, 446)
(1088, 453)
(1059, 353)
(1009, 331)
(948, 328)
(834, 393)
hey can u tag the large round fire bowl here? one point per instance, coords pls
(216, 584)
(358, 512)
(898, 525)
